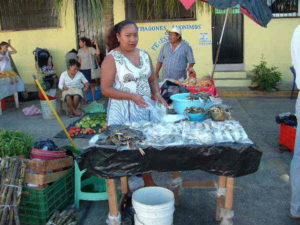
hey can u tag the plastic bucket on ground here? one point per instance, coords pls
(153, 206)
(46, 110)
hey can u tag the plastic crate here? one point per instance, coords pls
(37, 205)
(287, 136)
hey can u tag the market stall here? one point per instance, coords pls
(10, 85)
(219, 147)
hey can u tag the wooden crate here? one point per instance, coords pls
(58, 166)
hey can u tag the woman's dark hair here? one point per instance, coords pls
(73, 51)
(73, 62)
(87, 41)
(3, 43)
(111, 39)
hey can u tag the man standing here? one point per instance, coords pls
(295, 164)
(176, 57)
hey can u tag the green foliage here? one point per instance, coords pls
(92, 121)
(15, 143)
(266, 77)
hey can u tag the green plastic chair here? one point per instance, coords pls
(99, 192)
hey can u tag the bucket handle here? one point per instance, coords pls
(137, 217)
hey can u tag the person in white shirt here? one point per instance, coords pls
(295, 164)
(71, 82)
(5, 62)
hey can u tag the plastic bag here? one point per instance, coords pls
(287, 118)
(169, 88)
(45, 144)
(94, 107)
(157, 112)
(32, 111)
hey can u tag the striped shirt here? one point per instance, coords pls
(175, 62)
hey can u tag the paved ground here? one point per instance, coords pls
(261, 199)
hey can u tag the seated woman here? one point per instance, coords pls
(71, 82)
(5, 62)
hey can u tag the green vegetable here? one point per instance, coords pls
(15, 143)
(92, 121)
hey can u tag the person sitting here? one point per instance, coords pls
(5, 62)
(71, 83)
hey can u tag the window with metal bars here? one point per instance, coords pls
(28, 14)
(159, 10)
(284, 8)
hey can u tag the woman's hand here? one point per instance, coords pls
(139, 100)
(94, 42)
(66, 88)
(86, 87)
(160, 99)
(192, 72)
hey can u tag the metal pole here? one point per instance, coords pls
(54, 111)
(220, 43)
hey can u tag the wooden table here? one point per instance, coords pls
(227, 161)
(222, 201)
(8, 89)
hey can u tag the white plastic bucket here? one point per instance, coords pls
(46, 110)
(153, 206)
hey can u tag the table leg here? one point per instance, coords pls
(220, 199)
(124, 185)
(176, 190)
(16, 97)
(112, 198)
(229, 193)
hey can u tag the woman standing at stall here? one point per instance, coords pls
(87, 56)
(128, 79)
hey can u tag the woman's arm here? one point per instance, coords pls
(61, 82)
(108, 74)
(13, 50)
(97, 48)
(86, 86)
(79, 60)
(154, 86)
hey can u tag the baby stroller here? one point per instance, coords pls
(44, 67)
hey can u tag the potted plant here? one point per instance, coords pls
(265, 78)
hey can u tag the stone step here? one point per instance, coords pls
(232, 82)
(230, 75)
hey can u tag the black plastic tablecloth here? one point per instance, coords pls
(226, 159)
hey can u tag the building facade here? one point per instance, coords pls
(244, 44)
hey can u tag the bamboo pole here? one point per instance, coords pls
(54, 112)
(220, 43)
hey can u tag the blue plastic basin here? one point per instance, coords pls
(197, 116)
(180, 103)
